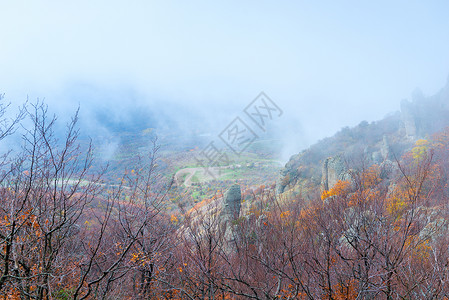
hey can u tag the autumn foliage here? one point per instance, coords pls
(65, 234)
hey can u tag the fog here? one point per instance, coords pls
(192, 67)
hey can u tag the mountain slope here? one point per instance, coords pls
(325, 162)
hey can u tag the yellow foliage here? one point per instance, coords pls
(285, 214)
(174, 219)
(371, 177)
(420, 251)
(397, 201)
(341, 188)
(420, 149)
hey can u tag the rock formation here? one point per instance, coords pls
(408, 117)
(333, 170)
(230, 213)
(232, 202)
(385, 148)
(377, 142)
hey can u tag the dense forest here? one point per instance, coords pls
(371, 226)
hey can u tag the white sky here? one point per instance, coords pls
(328, 64)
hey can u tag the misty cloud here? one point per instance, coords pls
(191, 67)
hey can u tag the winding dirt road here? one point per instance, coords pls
(188, 173)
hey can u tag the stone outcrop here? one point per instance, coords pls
(373, 143)
(232, 202)
(409, 119)
(219, 216)
(425, 115)
(385, 148)
(333, 170)
(230, 213)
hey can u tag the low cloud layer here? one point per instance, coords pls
(194, 66)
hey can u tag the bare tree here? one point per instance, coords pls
(131, 249)
(45, 192)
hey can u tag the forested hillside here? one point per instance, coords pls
(361, 215)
